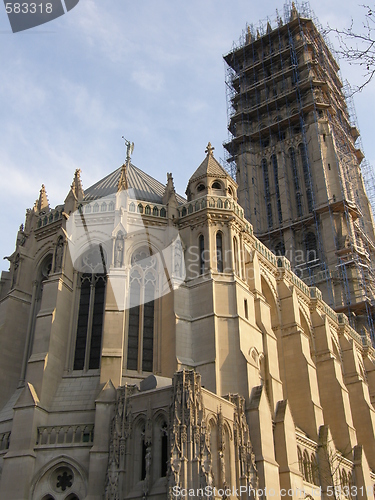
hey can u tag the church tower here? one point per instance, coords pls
(295, 152)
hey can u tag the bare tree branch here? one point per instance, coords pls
(358, 48)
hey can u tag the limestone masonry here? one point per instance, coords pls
(154, 346)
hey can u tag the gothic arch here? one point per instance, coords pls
(81, 253)
(308, 331)
(139, 245)
(160, 442)
(144, 283)
(62, 477)
(254, 355)
(271, 297)
(362, 369)
(336, 348)
(137, 462)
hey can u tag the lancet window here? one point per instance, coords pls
(143, 287)
(219, 252)
(93, 281)
(201, 254)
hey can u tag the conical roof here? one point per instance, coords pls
(209, 167)
(145, 187)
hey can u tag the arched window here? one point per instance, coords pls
(201, 187)
(201, 254)
(155, 211)
(267, 192)
(345, 483)
(216, 185)
(142, 311)
(311, 247)
(148, 210)
(131, 207)
(306, 175)
(300, 460)
(160, 447)
(276, 179)
(297, 188)
(139, 452)
(163, 212)
(235, 255)
(350, 484)
(314, 470)
(219, 251)
(140, 208)
(306, 467)
(299, 205)
(91, 312)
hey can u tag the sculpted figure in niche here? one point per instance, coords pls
(16, 265)
(222, 466)
(119, 250)
(59, 255)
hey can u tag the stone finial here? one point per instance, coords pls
(77, 184)
(294, 13)
(249, 35)
(209, 149)
(42, 202)
(169, 189)
(170, 183)
(123, 180)
(269, 28)
(279, 20)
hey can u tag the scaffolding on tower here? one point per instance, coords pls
(295, 151)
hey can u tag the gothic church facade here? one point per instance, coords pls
(152, 345)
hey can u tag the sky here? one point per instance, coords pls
(149, 70)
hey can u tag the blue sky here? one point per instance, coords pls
(151, 70)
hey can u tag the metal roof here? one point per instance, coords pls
(145, 187)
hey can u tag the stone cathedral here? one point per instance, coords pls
(153, 348)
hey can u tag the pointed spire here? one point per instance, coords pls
(123, 180)
(209, 150)
(42, 202)
(249, 35)
(269, 28)
(76, 186)
(279, 20)
(169, 189)
(294, 13)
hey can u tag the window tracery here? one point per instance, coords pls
(91, 312)
(142, 287)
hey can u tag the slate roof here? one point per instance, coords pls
(209, 166)
(145, 187)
